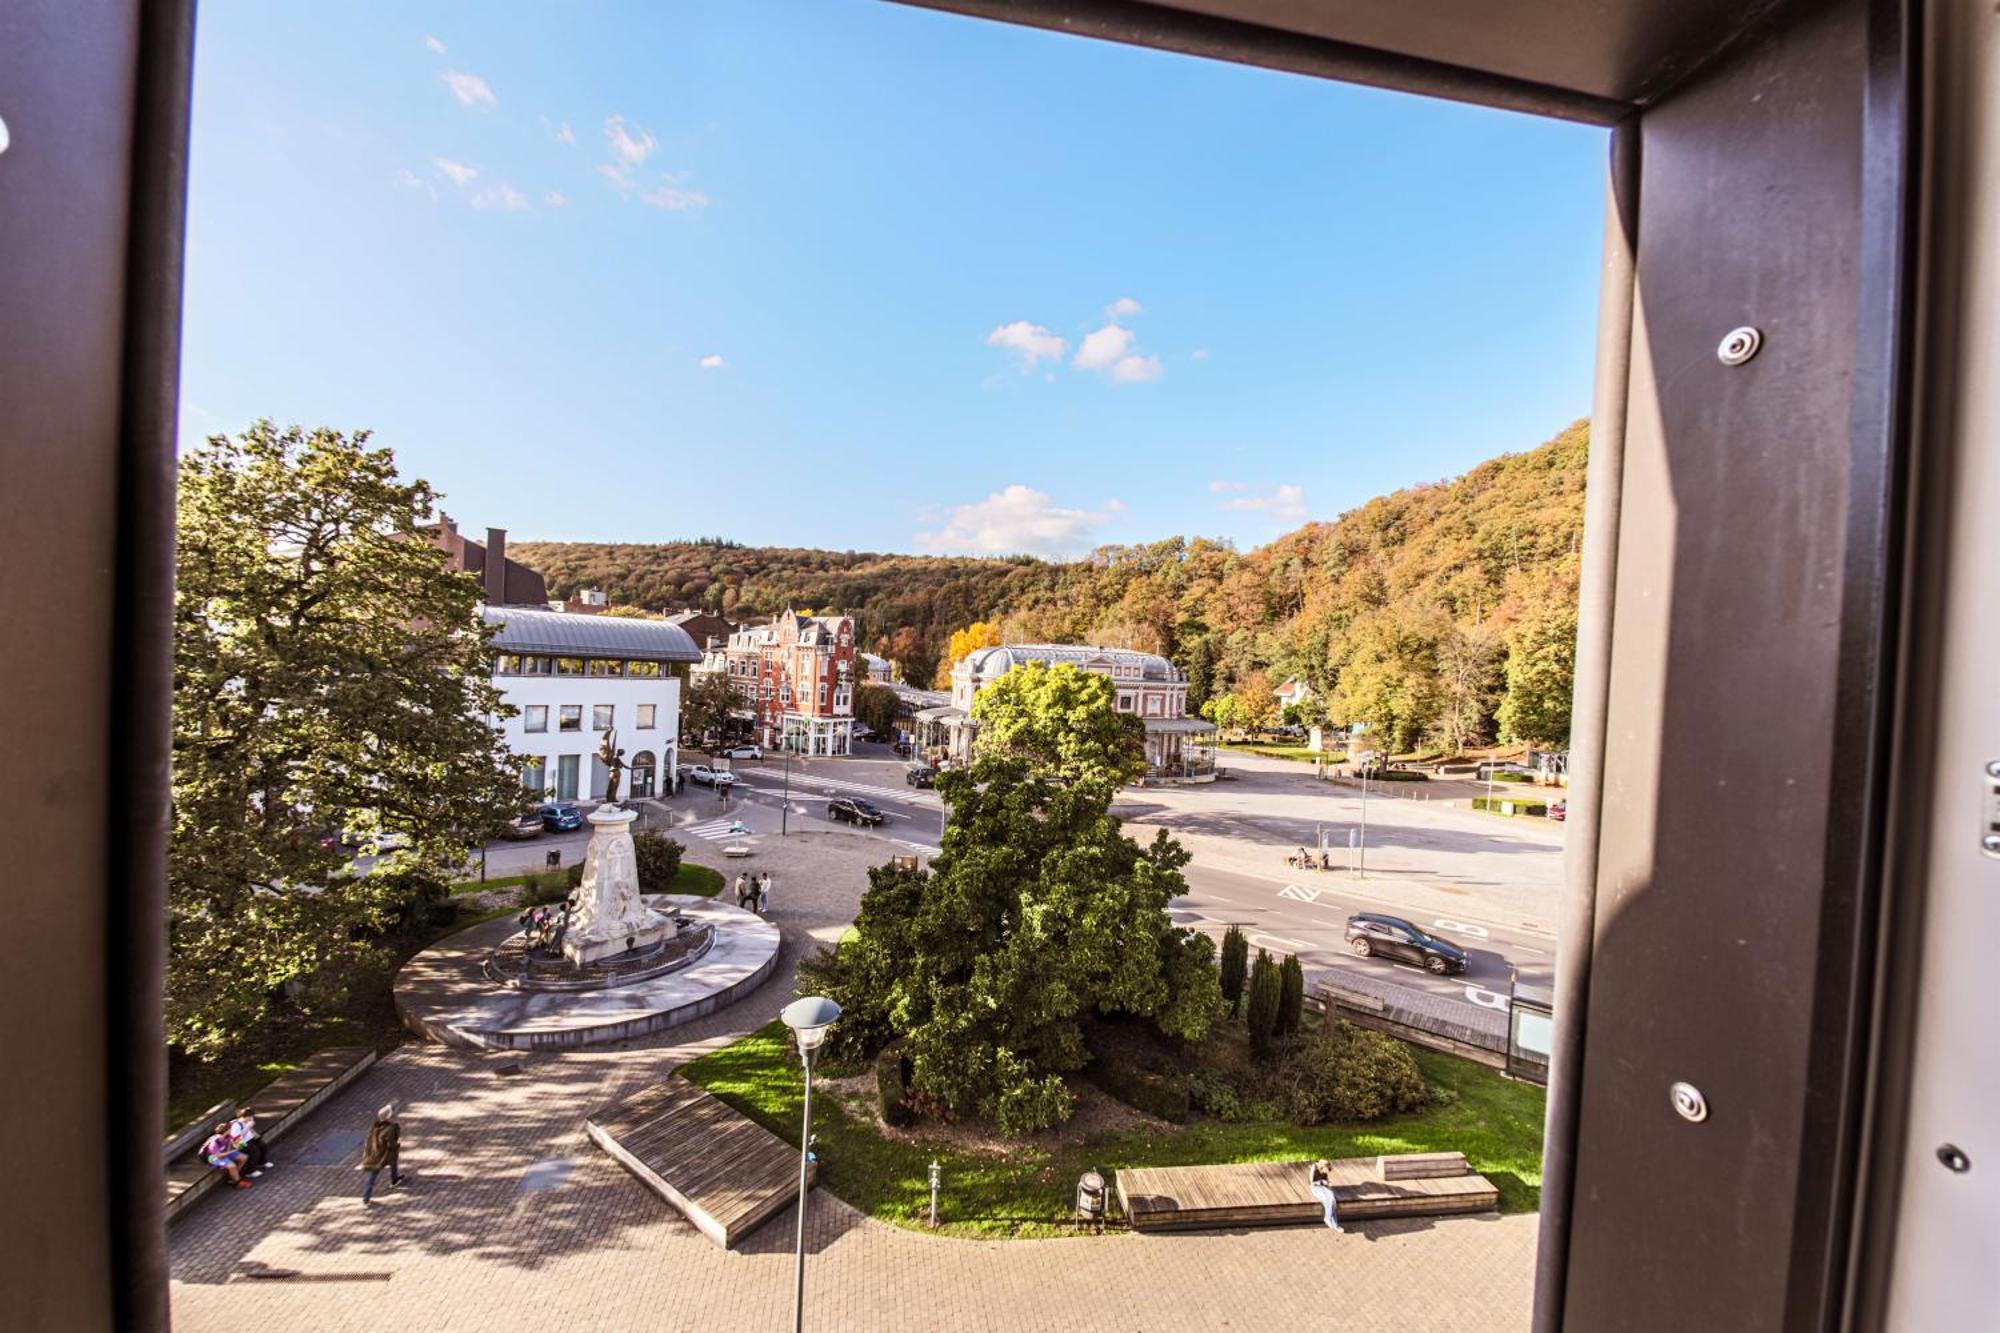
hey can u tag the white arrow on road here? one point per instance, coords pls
(1464, 928)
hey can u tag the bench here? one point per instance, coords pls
(1279, 1193)
(280, 1105)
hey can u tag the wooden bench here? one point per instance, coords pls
(1279, 1193)
(280, 1105)
(724, 1171)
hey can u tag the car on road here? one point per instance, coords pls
(920, 775)
(1559, 811)
(853, 810)
(522, 827)
(561, 816)
(711, 777)
(1374, 935)
(743, 752)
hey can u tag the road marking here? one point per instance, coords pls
(1489, 999)
(719, 830)
(1300, 893)
(1260, 939)
(1464, 928)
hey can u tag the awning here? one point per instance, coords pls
(944, 714)
(1180, 726)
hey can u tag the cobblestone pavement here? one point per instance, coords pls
(513, 1219)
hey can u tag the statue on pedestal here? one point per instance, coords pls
(613, 760)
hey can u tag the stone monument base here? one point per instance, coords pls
(608, 916)
(640, 935)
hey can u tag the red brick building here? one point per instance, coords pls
(797, 677)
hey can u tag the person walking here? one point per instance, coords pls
(764, 894)
(1321, 1178)
(221, 1154)
(382, 1149)
(243, 1134)
(742, 889)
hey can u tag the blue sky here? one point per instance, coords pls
(844, 273)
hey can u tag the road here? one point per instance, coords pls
(1487, 884)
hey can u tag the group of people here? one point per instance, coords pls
(236, 1149)
(545, 925)
(754, 892)
(1304, 860)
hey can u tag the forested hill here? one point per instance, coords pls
(1442, 611)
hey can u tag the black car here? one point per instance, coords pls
(846, 810)
(1373, 935)
(920, 775)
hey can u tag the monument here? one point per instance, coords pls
(607, 916)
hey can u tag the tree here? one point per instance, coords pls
(1063, 722)
(1266, 998)
(965, 642)
(1541, 666)
(1465, 668)
(875, 708)
(629, 613)
(1235, 966)
(1224, 711)
(330, 673)
(1291, 995)
(706, 704)
(1256, 701)
(1036, 912)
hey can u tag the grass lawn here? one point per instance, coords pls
(696, 879)
(1299, 753)
(482, 885)
(1030, 1190)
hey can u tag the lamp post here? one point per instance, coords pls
(808, 1018)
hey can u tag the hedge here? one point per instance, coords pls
(1492, 805)
(1511, 776)
(1346, 1073)
(892, 1084)
(1155, 1094)
(1397, 775)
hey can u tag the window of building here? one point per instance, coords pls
(534, 776)
(600, 666)
(822, 694)
(643, 670)
(646, 714)
(569, 666)
(570, 718)
(566, 766)
(600, 717)
(535, 717)
(1124, 701)
(843, 699)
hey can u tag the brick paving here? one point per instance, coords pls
(513, 1219)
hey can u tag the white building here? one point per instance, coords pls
(574, 677)
(1146, 685)
(877, 669)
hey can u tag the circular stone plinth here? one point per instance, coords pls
(444, 993)
(514, 964)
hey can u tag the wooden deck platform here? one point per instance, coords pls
(1279, 1194)
(721, 1169)
(280, 1105)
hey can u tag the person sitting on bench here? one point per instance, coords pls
(221, 1154)
(1321, 1178)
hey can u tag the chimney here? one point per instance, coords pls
(447, 530)
(496, 566)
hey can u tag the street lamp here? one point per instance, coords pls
(808, 1018)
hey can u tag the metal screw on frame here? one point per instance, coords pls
(1738, 345)
(1689, 1104)
(1954, 1159)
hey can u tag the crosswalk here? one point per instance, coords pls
(717, 830)
(918, 847)
(809, 786)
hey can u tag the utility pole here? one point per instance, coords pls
(785, 815)
(1363, 860)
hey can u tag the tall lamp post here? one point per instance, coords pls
(808, 1018)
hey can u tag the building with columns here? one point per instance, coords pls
(796, 677)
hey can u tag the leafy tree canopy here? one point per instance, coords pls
(330, 673)
(1062, 722)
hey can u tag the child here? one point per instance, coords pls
(222, 1155)
(244, 1137)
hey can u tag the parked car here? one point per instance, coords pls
(1559, 811)
(852, 810)
(522, 827)
(711, 777)
(920, 775)
(1373, 935)
(561, 816)
(743, 752)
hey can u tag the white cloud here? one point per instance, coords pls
(618, 176)
(1198, 354)
(1285, 503)
(410, 180)
(1018, 519)
(459, 172)
(713, 361)
(436, 46)
(674, 199)
(556, 199)
(501, 198)
(469, 89)
(1122, 308)
(560, 132)
(1225, 487)
(629, 148)
(1136, 369)
(1101, 349)
(1032, 341)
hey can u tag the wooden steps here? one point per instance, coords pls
(280, 1105)
(721, 1169)
(1279, 1193)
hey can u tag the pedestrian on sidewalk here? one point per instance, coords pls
(383, 1149)
(1321, 1177)
(742, 889)
(243, 1134)
(764, 894)
(221, 1154)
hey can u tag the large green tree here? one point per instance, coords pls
(1541, 666)
(1037, 911)
(330, 673)
(706, 702)
(875, 708)
(1062, 722)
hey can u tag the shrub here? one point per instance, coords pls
(892, 1085)
(1260, 1016)
(1511, 776)
(1291, 995)
(1397, 775)
(1347, 1073)
(575, 875)
(1165, 1095)
(413, 900)
(1235, 966)
(1493, 804)
(551, 886)
(1212, 1093)
(659, 860)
